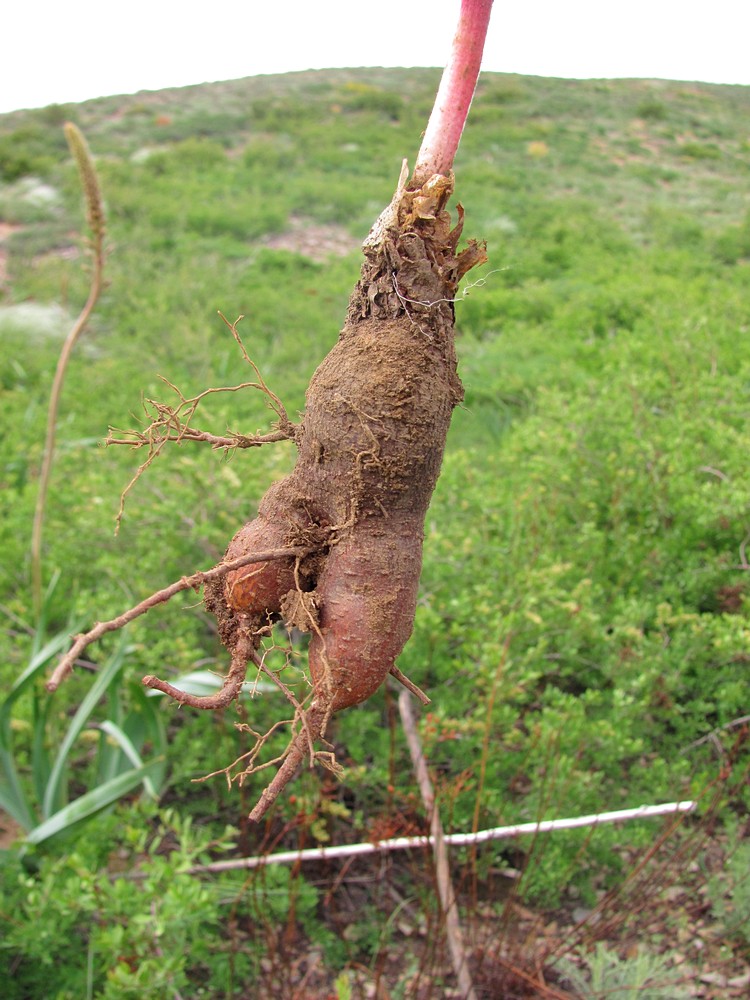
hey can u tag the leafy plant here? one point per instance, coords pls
(651, 108)
(44, 803)
(643, 977)
(150, 925)
(585, 556)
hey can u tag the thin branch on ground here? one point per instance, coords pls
(317, 854)
(446, 893)
(744, 564)
(713, 736)
(192, 582)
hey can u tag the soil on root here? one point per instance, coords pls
(371, 445)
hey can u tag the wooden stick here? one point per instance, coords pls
(417, 843)
(447, 896)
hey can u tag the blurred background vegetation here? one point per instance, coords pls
(584, 614)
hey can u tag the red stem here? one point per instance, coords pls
(455, 92)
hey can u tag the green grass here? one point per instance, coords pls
(583, 616)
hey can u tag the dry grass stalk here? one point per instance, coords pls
(96, 224)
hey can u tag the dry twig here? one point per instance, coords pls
(95, 219)
(447, 896)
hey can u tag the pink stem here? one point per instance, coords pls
(455, 92)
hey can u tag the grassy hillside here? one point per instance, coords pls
(584, 614)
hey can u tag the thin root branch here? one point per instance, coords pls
(409, 685)
(230, 689)
(260, 663)
(193, 582)
(273, 398)
(172, 424)
(250, 756)
(314, 722)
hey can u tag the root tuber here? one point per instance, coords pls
(370, 449)
(339, 541)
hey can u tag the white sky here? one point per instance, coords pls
(59, 51)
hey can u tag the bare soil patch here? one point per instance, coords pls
(10, 831)
(6, 229)
(314, 240)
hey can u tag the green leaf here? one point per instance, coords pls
(123, 741)
(13, 801)
(145, 724)
(91, 803)
(12, 795)
(38, 662)
(40, 755)
(102, 681)
(109, 758)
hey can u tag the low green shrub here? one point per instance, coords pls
(40, 788)
(641, 977)
(583, 610)
(120, 914)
